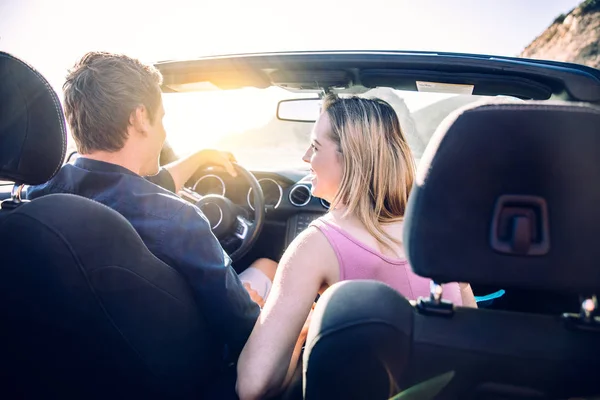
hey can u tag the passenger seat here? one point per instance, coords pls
(506, 195)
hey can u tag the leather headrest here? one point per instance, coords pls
(32, 124)
(509, 195)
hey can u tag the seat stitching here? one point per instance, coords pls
(57, 108)
(139, 276)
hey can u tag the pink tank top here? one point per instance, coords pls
(359, 261)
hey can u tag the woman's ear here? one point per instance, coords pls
(340, 157)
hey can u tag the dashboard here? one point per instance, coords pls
(288, 198)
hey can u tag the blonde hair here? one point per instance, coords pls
(379, 168)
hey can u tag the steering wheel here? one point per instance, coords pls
(228, 221)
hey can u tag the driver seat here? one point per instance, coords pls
(87, 311)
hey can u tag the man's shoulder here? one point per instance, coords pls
(59, 183)
(154, 199)
(125, 193)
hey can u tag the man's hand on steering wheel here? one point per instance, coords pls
(228, 221)
(181, 170)
(217, 158)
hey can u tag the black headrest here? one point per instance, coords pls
(509, 195)
(32, 125)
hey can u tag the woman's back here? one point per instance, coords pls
(360, 256)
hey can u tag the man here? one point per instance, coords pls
(113, 105)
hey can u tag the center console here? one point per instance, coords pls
(297, 224)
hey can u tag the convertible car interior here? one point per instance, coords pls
(518, 230)
(505, 199)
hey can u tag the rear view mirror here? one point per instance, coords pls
(299, 110)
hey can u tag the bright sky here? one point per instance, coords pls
(52, 34)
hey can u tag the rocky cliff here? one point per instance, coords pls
(572, 37)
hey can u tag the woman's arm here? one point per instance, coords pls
(307, 264)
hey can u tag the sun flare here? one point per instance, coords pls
(201, 119)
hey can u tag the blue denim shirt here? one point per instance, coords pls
(173, 230)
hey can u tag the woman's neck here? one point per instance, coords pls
(340, 212)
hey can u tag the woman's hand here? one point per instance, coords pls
(254, 296)
(304, 331)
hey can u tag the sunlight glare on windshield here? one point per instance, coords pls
(201, 119)
(244, 122)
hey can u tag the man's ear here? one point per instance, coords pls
(139, 120)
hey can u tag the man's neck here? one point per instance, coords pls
(124, 158)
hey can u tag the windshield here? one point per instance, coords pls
(244, 122)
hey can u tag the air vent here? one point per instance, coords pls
(325, 204)
(300, 195)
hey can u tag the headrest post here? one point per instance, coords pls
(435, 305)
(588, 308)
(15, 194)
(436, 292)
(15, 198)
(587, 318)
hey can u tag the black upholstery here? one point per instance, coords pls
(548, 152)
(366, 341)
(91, 311)
(32, 126)
(360, 336)
(86, 310)
(541, 164)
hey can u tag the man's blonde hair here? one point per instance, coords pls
(379, 168)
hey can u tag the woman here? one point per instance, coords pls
(360, 163)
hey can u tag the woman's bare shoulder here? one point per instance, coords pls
(311, 250)
(311, 240)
